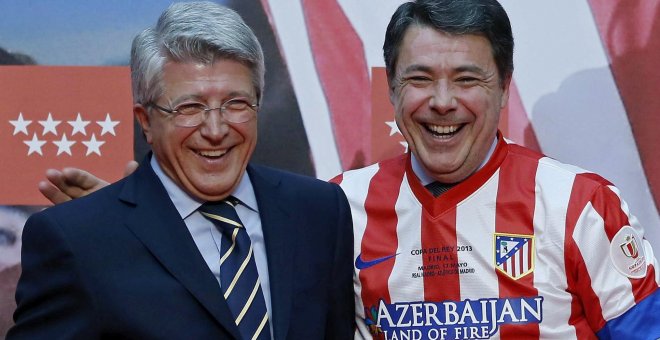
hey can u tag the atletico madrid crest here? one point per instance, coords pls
(514, 254)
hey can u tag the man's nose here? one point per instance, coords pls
(443, 98)
(214, 126)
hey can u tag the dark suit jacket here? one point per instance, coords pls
(120, 263)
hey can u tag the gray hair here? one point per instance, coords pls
(192, 31)
(481, 17)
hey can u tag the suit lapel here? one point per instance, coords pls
(157, 224)
(277, 223)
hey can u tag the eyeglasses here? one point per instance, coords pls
(235, 110)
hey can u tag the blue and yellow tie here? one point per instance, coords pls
(238, 272)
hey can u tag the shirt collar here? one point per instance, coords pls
(425, 178)
(186, 204)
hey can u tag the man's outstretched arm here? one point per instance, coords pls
(70, 183)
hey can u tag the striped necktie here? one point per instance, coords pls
(238, 272)
(437, 188)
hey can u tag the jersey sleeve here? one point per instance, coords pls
(639, 322)
(614, 269)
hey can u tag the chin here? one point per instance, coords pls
(213, 196)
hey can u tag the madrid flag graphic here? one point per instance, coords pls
(55, 117)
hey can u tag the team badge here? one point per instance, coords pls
(630, 247)
(514, 254)
(627, 253)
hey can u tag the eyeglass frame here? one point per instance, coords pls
(174, 113)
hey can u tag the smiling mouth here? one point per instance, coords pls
(443, 131)
(213, 154)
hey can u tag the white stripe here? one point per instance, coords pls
(525, 257)
(222, 219)
(590, 237)
(516, 263)
(231, 249)
(248, 303)
(550, 226)
(566, 85)
(472, 214)
(369, 19)
(401, 285)
(238, 273)
(290, 25)
(356, 189)
(261, 327)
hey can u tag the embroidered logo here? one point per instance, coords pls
(362, 264)
(630, 248)
(514, 254)
(627, 253)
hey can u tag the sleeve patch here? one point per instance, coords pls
(627, 253)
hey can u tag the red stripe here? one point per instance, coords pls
(338, 52)
(631, 35)
(585, 302)
(380, 238)
(515, 215)
(440, 232)
(607, 203)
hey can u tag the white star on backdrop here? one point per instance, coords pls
(64, 145)
(79, 125)
(107, 125)
(50, 125)
(93, 146)
(20, 125)
(393, 128)
(34, 144)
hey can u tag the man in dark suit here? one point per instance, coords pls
(142, 257)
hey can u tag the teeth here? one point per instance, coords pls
(443, 129)
(213, 153)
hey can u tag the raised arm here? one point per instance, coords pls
(70, 183)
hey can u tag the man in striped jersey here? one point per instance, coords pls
(469, 236)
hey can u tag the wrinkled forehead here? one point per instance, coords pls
(424, 46)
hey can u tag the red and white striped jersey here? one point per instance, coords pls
(527, 247)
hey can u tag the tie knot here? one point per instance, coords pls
(222, 212)
(437, 188)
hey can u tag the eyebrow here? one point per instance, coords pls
(200, 98)
(472, 69)
(417, 67)
(460, 69)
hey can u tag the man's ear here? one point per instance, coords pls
(506, 83)
(142, 116)
(391, 91)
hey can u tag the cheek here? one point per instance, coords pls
(169, 141)
(484, 107)
(246, 137)
(408, 102)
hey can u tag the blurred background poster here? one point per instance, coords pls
(583, 90)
